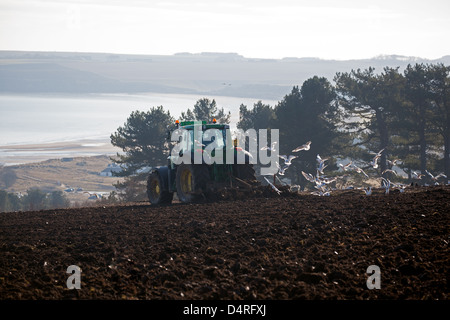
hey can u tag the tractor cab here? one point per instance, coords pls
(188, 174)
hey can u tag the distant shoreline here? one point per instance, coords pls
(31, 153)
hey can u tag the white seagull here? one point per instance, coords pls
(281, 170)
(306, 146)
(273, 187)
(247, 153)
(309, 177)
(437, 177)
(321, 162)
(328, 180)
(199, 144)
(417, 175)
(389, 170)
(271, 148)
(359, 170)
(287, 160)
(393, 163)
(386, 184)
(281, 182)
(346, 166)
(319, 159)
(374, 162)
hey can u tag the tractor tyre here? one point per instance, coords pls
(192, 181)
(245, 172)
(155, 190)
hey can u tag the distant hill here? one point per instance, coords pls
(227, 74)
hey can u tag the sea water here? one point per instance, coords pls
(34, 119)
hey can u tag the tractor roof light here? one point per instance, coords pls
(214, 120)
(177, 123)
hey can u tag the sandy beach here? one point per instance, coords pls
(30, 153)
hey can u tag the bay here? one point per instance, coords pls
(38, 119)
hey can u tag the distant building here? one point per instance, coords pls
(110, 170)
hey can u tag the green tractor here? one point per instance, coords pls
(195, 180)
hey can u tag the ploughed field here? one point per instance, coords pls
(246, 245)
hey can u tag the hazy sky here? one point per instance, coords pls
(340, 29)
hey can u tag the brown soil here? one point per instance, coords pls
(247, 245)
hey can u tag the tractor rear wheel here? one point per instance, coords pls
(155, 190)
(191, 181)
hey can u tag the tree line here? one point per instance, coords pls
(34, 199)
(405, 114)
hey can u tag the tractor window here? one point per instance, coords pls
(187, 137)
(212, 135)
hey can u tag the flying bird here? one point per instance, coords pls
(441, 175)
(359, 170)
(386, 184)
(245, 152)
(346, 166)
(305, 146)
(417, 175)
(321, 164)
(271, 148)
(321, 167)
(287, 160)
(432, 177)
(328, 180)
(309, 177)
(392, 163)
(273, 187)
(281, 182)
(199, 144)
(435, 178)
(374, 162)
(281, 170)
(389, 170)
(319, 159)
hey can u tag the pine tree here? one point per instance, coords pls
(261, 116)
(369, 101)
(206, 110)
(308, 114)
(143, 139)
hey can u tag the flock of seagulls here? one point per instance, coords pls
(321, 183)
